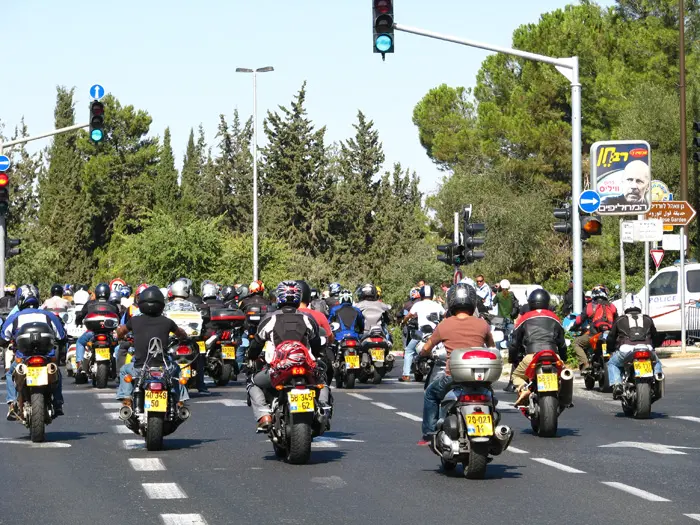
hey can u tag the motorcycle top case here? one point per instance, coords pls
(476, 365)
(227, 317)
(101, 321)
(35, 338)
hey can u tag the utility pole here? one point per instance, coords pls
(684, 145)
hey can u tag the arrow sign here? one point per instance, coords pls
(657, 256)
(589, 202)
(674, 213)
(4, 162)
(651, 447)
(97, 92)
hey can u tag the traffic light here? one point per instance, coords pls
(564, 215)
(469, 240)
(696, 141)
(97, 121)
(383, 24)
(11, 248)
(448, 250)
(590, 225)
(4, 193)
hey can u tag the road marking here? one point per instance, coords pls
(344, 440)
(105, 396)
(693, 516)
(634, 491)
(227, 402)
(559, 466)
(360, 396)
(688, 418)
(384, 406)
(516, 450)
(111, 406)
(323, 444)
(121, 429)
(133, 444)
(410, 416)
(29, 444)
(163, 491)
(651, 447)
(146, 464)
(506, 406)
(112, 415)
(182, 519)
(331, 482)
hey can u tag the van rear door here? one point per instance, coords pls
(664, 300)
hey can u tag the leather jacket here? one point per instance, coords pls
(535, 331)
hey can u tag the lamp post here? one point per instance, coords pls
(255, 161)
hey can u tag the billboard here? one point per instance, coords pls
(621, 174)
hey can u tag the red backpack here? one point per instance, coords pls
(603, 316)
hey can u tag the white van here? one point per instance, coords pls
(665, 297)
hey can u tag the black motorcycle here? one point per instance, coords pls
(640, 385)
(221, 362)
(598, 357)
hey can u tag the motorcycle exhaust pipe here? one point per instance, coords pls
(659, 385)
(445, 446)
(21, 369)
(389, 357)
(501, 439)
(364, 364)
(52, 371)
(566, 390)
(125, 413)
(183, 413)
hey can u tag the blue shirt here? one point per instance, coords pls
(30, 315)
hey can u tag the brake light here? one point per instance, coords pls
(474, 398)
(351, 343)
(545, 363)
(376, 339)
(156, 387)
(645, 354)
(183, 350)
(226, 335)
(36, 360)
(479, 354)
(101, 337)
(157, 374)
(298, 371)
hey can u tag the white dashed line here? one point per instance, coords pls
(634, 491)
(360, 396)
(323, 444)
(163, 491)
(105, 396)
(688, 418)
(182, 519)
(111, 406)
(121, 429)
(410, 416)
(693, 516)
(559, 466)
(112, 415)
(146, 464)
(516, 450)
(384, 406)
(133, 444)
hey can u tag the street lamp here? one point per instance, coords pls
(255, 161)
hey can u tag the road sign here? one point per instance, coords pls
(589, 202)
(657, 256)
(651, 230)
(116, 284)
(672, 242)
(675, 213)
(97, 92)
(4, 163)
(627, 231)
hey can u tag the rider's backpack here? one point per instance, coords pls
(637, 332)
(603, 317)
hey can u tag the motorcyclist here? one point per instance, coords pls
(148, 325)
(115, 298)
(375, 312)
(630, 330)
(229, 296)
(333, 298)
(255, 295)
(133, 310)
(192, 297)
(420, 310)
(601, 314)
(349, 317)
(81, 295)
(127, 300)
(56, 301)
(285, 324)
(538, 329)
(68, 292)
(460, 330)
(317, 303)
(100, 304)
(250, 296)
(28, 312)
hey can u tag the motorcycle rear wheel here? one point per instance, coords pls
(37, 426)
(338, 380)
(589, 382)
(299, 439)
(475, 467)
(154, 431)
(642, 404)
(350, 380)
(376, 377)
(101, 375)
(226, 370)
(549, 414)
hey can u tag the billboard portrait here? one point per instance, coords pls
(621, 174)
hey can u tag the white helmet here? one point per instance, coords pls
(633, 302)
(209, 290)
(505, 284)
(180, 289)
(469, 281)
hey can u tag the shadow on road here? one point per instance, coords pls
(181, 444)
(653, 415)
(69, 436)
(493, 471)
(318, 457)
(561, 432)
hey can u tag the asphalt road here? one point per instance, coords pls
(601, 468)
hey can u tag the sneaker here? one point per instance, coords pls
(11, 415)
(126, 402)
(424, 441)
(617, 391)
(510, 387)
(405, 379)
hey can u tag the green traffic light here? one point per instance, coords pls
(383, 43)
(96, 135)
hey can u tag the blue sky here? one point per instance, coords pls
(176, 59)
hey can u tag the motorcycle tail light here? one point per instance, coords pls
(155, 387)
(546, 363)
(279, 387)
(36, 360)
(226, 335)
(376, 339)
(157, 374)
(298, 371)
(183, 350)
(351, 343)
(644, 354)
(101, 337)
(474, 398)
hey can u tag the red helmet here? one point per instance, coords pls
(256, 287)
(141, 287)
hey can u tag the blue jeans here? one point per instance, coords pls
(125, 389)
(434, 395)
(11, 392)
(242, 349)
(616, 362)
(409, 355)
(80, 344)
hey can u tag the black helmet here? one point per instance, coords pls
(57, 290)
(228, 293)
(102, 291)
(314, 294)
(305, 292)
(539, 300)
(367, 292)
(151, 301)
(461, 296)
(426, 291)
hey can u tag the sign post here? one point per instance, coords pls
(682, 280)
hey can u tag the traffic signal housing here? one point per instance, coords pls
(564, 220)
(97, 121)
(471, 242)
(4, 193)
(383, 26)
(590, 224)
(449, 251)
(11, 248)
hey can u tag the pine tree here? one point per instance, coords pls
(190, 175)
(166, 189)
(24, 175)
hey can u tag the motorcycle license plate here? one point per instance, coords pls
(642, 369)
(479, 425)
(202, 348)
(353, 361)
(102, 354)
(377, 355)
(302, 401)
(37, 376)
(228, 352)
(185, 371)
(547, 383)
(156, 401)
(604, 348)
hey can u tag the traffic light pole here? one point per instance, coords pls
(3, 230)
(569, 68)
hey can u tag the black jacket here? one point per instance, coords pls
(258, 300)
(95, 306)
(537, 330)
(622, 332)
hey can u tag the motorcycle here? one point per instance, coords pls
(35, 377)
(428, 367)
(221, 363)
(191, 323)
(470, 430)
(598, 357)
(377, 360)
(347, 362)
(73, 333)
(156, 410)
(552, 387)
(640, 385)
(98, 363)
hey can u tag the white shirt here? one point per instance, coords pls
(81, 297)
(484, 292)
(423, 309)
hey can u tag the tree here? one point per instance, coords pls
(24, 175)
(166, 189)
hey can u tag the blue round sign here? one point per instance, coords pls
(97, 92)
(4, 163)
(589, 202)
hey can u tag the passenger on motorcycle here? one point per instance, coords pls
(68, 292)
(285, 324)
(349, 317)
(317, 303)
(460, 330)
(100, 304)
(601, 314)
(29, 312)
(144, 327)
(538, 329)
(420, 310)
(255, 295)
(56, 301)
(333, 298)
(630, 330)
(375, 312)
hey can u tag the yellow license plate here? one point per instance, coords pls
(353, 361)
(547, 383)
(37, 376)
(377, 355)
(102, 354)
(156, 401)
(128, 359)
(302, 401)
(642, 369)
(479, 424)
(185, 371)
(228, 352)
(604, 348)
(202, 348)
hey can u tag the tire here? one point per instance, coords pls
(338, 380)
(279, 451)
(376, 377)
(299, 439)
(102, 374)
(350, 380)
(448, 466)
(589, 382)
(642, 405)
(418, 377)
(37, 426)
(226, 370)
(475, 467)
(363, 379)
(154, 431)
(549, 414)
